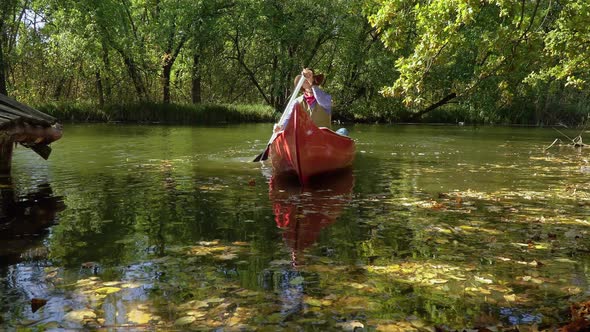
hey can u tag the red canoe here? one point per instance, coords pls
(306, 150)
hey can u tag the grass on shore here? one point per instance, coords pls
(159, 113)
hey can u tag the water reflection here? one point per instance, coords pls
(303, 212)
(25, 220)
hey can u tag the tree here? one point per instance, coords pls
(476, 51)
(11, 15)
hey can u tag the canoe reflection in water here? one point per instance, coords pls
(303, 212)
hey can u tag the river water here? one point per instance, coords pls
(174, 228)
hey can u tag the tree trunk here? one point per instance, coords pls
(434, 106)
(166, 70)
(99, 90)
(59, 88)
(135, 77)
(196, 80)
(105, 79)
(3, 71)
(6, 147)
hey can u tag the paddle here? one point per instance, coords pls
(264, 155)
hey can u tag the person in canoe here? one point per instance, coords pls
(315, 101)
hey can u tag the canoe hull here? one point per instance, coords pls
(308, 151)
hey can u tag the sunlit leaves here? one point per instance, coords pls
(481, 50)
(568, 44)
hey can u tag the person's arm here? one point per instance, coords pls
(323, 98)
(283, 125)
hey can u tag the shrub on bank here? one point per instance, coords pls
(159, 113)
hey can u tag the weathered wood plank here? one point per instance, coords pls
(25, 110)
(12, 113)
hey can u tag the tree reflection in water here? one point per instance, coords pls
(301, 213)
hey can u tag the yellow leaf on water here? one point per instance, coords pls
(79, 315)
(107, 290)
(185, 320)
(357, 285)
(227, 257)
(484, 291)
(313, 302)
(483, 280)
(510, 298)
(460, 278)
(130, 285)
(138, 317)
(214, 300)
(209, 243)
(498, 288)
(196, 313)
(194, 304)
(437, 281)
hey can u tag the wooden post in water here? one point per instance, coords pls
(6, 148)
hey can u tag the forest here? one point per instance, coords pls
(476, 61)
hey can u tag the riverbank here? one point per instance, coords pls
(187, 114)
(160, 113)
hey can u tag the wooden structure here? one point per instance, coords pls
(27, 126)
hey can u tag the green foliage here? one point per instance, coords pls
(485, 52)
(385, 60)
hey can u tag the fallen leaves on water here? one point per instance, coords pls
(226, 256)
(79, 316)
(139, 316)
(186, 320)
(107, 290)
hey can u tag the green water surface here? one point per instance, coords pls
(174, 228)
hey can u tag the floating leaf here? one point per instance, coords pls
(357, 285)
(483, 280)
(214, 300)
(107, 290)
(130, 285)
(313, 302)
(296, 281)
(138, 316)
(195, 313)
(186, 320)
(437, 281)
(510, 298)
(80, 316)
(194, 304)
(227, 257)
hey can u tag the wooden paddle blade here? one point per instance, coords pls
(263, 155)
(258, 157)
